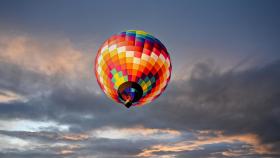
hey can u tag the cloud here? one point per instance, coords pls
(45, 56)
(30, 125)
(8, 96)
(68, 150)
(48, 85)
(8, 142)
(234, 153)
(249, 139)
(241, 101)
(135, 133)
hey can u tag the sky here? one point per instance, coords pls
(222, 99)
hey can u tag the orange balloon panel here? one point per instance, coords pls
(133, 67)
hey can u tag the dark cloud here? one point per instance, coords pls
(242, 101)
(236, 102)
(18, 79)
(20, 154)
(101, 147)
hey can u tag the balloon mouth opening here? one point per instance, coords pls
(129, 93)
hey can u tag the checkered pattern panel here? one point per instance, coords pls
(133, 56)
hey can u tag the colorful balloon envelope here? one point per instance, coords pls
(133, 67)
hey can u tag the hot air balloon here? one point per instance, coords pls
(133, 67)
